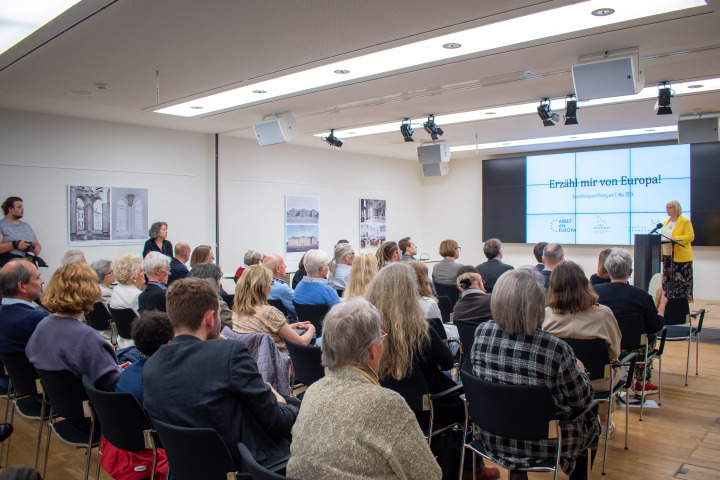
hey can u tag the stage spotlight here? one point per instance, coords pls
(332, 140)
(662, 106)
(571, 110)
(432, 129)
(407, 132)
(546, 115)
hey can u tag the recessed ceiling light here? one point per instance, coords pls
(490, 113)
(564, 138)
(603, 12)
(196, 107)
(452, 46)
(514, 31)
(650, 130)
(259, 91)
(341, 71)
(82, 93)
(695, 86)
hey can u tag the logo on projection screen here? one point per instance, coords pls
(601, 225)
(562, 225)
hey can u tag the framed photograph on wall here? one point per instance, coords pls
(372, 224)
(302, 225)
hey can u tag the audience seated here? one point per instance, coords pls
(178, 269)
(252, 314)
(408, 249)
(280, 290)
(201, 381)
(428, 303)
(363, 270)
(157, 269)
(20, 285)
(213, 274)
(130, 276)
(62, 341)
(552, 255)
(625, 299)
(602, 275)
(314, 288)
(106, 277)
(300, 273)
(445, 272)
(72, 256)
(474, 305)
(348, 411)
(538, 252)
(252, 257)
(202, 254)
(512, 349)
(340, 266)
(387, 253)
(494, 267)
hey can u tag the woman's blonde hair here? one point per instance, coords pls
(676, 204)
(72, 289)
(601, 270)
(421, 272)
(363, 270)
(200, 255)
(251, 289)
(127, 267)
(569, 290)
(385, 252)
(393, 291)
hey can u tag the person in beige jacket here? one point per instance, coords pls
(349, 427)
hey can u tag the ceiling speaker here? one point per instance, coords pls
(278, 130)
(435, 169)
(435, 152)
(698, 130)
(607, 78)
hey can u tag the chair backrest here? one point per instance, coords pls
(99, 318)
(450, 291)
(123, 318)
(229, 299)
(121, 417)
(66, 394)
(306, 361)
(700, 315)
(195, 453)
(520, 412)
(437, 325)
(257, 471)
(593, 353)
(340, 291)
(313, 314)
(412, 388)
(676, 311)
(446, 308)
(277, 303)
(466, 332)
(632, 328)
(22, 373)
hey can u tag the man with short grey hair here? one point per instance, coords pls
(625, 299)
(157, 269)
(552, 255)
(20, 285)
(72, 256)
(279, 290)
(314, 288)
(178, 269)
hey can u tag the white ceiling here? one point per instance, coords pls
(202, 47)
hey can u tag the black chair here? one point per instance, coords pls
(446, 308)
(123, 318)
(313, 314)
(257, 471)
(593, 353)
(450, 291)
(414, 389)
(277, 303)
(23, 394)
(678, 333)
(306, 362)
(123, 421)
(229, 299)
(466, 332)
(676, 311)
(519, 412)
(65, 394)
(340, 292)
(195, 453)
(100, 319)
(635, 337)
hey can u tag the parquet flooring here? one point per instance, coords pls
(680, 440)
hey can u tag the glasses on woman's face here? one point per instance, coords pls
(109, 272)
(458, 248)
(383, 335)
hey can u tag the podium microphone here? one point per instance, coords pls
(657, 227)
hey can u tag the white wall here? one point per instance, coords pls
(40, 155)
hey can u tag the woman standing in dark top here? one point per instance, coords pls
(158, 240)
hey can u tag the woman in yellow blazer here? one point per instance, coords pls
(677, 279)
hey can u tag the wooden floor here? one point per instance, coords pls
(681, 439)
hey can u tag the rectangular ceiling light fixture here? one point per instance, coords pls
(559, 21)
(566, 138)
(18, 19)
(558, 104)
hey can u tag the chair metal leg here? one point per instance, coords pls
(97, 467)
(687, 365)
(40, 428)
(89, 447)
(627, 413)
(659, 385)
(642, 386)
(697, 352)
(10, 401)
(47, 444)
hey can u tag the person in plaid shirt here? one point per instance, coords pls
(513, 349)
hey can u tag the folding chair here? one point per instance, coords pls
(257, 471)
(306, 360)
(277, 303)
(679, 333)
(313, 314)
(123, 318)
(100, 319)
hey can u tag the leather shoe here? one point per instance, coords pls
(485, 473)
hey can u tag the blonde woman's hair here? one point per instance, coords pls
(384, 253)
(421, 273)
(251, 289)
(72, 289)
(200, 255)
(127, 267)
(393, 291)
(676, 204)
(362, 272)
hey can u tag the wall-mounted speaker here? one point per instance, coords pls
(278, 130)
(435, 169)
(434, 152)
(608, 78)
(698, 130)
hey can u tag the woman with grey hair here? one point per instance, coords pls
(252, 257)
(341, 265)
(513, 349)
(158, 240)
(314, 289)
(104, 271)
(348, 410)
